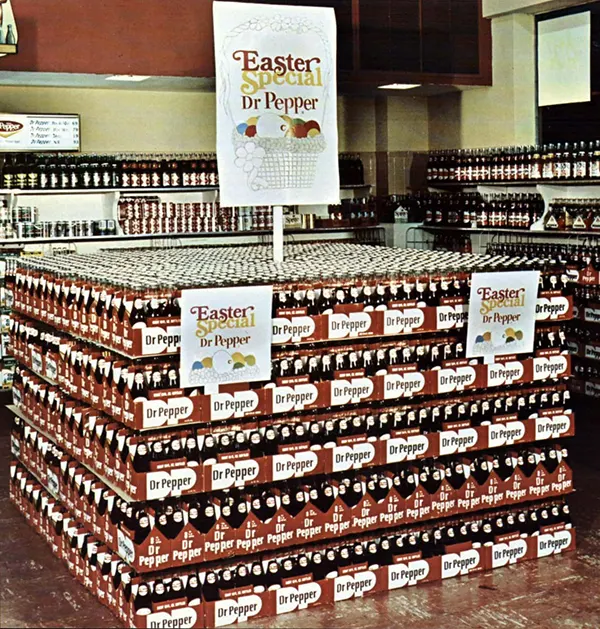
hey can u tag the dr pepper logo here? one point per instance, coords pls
(9, 127)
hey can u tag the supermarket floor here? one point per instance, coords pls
(37, 591)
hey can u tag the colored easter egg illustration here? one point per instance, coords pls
(479, 339)
(519, 335)
(300, 131)
(252, 121)
(238, 366)
(312, 125)
(207, 362)
(487, 337)
(241, 128)
(237, 357)
(197, 366)
(250, 360)
(313, 133)
(251, 131)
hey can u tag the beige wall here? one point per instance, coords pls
(128, 120)
(504, 114)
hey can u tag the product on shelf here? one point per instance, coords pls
(81, 172)
(351, 213)
(573, 215)
(142, 170)
(551, 162)
(474, 210)
(149, 215)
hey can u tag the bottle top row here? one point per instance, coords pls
(313, 263)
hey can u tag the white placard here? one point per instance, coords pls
(564, 59)
(39, 132)
(502, 313)
(226, 335)
(277, 139)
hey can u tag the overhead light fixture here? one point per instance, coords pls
(399, 86)
(128, 78)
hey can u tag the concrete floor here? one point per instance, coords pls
(563, 592)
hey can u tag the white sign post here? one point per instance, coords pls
(502, 313)
(277, 139)
(225, 335)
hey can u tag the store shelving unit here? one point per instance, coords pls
(102, 203)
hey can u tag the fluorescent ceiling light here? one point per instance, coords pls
(131, 78)
(399, 86)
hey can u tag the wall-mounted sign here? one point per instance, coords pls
(9, 35)
(277, 140)
(502, 313)
(225, 335)
(39, 132)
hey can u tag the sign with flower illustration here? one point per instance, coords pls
(277, 141)
(502, 313)
(225, 335)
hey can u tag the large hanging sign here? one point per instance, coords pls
(225, 335)
(9, 35)
(502, 313)
(277, 140)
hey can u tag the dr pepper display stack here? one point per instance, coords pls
(378, 456)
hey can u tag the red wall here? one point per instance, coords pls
(150, 37)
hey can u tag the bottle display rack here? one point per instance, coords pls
(380, 451)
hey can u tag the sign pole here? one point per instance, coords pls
(277, 233)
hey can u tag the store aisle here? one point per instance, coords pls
(36, 590)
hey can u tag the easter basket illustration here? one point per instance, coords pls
(275, 150)
(278, 162)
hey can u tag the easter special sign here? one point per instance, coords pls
(277, 140)
(225, 335)
(502, 313)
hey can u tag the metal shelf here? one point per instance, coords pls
(522, 184)
(19, 191)
(529, 232)
(125, 237)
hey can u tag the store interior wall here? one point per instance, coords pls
(135, 120)
(500, 115)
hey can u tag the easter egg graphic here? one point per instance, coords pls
(241, 128)
(197, 366)
(207, 362)
(519, 335)
(479, 339)
(271, 126)
(251, 131)
(252, 121)
(250, 360)
(222, 362)
(487, 337)
(238, 357)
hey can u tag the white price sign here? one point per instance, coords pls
(39, 132)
